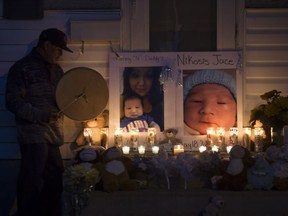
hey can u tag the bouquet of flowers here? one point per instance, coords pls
(274, 113)
(81, 178)
(79, 181)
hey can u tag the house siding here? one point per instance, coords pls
(265, 55)
(17, 37)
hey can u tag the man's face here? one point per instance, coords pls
(133, 108)
(210, 105)
(52, 53)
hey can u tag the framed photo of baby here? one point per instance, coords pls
(140, 92)
(211, 96)
(188, 91)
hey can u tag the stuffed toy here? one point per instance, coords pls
(260, 175)
(114, 173)
(277, 156)
(235, 175)
(88, 156)
(95, 138)
(169, 140)
(214, 206)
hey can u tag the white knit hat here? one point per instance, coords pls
(210, 77)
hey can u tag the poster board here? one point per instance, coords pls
(117, 63)
(189, 62)
(180, 64)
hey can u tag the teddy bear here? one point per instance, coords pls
(169, 140)
(114, 173)
(277, 156)
(260, 175)
(91, 132)
(88, 156)
(235, 174)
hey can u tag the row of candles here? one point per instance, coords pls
(177, 149)
(126, 140)
(136, 141)
(92, 138)
(216, 139)
(141, 141)
(141, 149)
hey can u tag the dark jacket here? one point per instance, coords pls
(30, 95)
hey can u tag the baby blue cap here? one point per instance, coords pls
(210, 77)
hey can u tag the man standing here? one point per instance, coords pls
(30, 95)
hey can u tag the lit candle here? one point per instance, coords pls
(104, 135)
(151, 135)
(220, 132)
(118, 137)
(228, 148)
(258, 132)
(155, 149)
(202, 148)
(178, 149)
(104, 131)
(87, 132)
(210, 135)
(141, 149)
(247, 130)
(247, 138)
(233, 136)
(126, 149)
(215, 148)
(134, 133)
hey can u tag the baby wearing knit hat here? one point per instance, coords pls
(209, 101)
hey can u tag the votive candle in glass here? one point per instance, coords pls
(215, 148)
(228, 148)
(104, 136)
(118, 137)
(134, 133)
(210, 135)
(87, 132)
(233, 136)
(141, 149)
(177, 149)
(155, 149)
(259, 135)
(220, 133)
(202, 148)
(125, 149)
(247, 138)
(151, 136)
